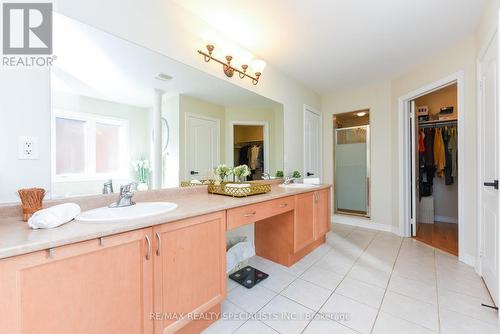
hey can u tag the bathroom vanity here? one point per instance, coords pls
(159, 275)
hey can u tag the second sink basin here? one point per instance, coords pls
(298, 185)
(137, 211)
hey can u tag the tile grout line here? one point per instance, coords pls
(279, 294)
(387, 287)
(347, 273)
(437, 292)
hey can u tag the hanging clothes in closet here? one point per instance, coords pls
(437, 150)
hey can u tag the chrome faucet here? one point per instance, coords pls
(266, 176)
(288, 179)
(126, 195)
(107, 187)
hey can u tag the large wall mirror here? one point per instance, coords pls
(125, 113)
(352, 163)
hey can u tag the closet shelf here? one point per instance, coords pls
(429, 124)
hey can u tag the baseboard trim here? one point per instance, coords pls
(362, 222)
(446, 219)
(468, 259)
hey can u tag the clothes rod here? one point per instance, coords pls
(436, 124)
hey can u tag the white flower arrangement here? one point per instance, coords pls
(222, 171)
(241, 171)
(142, 170)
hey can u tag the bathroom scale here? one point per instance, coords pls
(248, 276)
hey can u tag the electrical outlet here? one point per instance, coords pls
(27, 148)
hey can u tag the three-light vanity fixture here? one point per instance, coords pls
(239, 64)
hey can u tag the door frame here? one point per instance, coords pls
(230, 141)
(490, 40)
(187, 116)
(310, 109)
(405, 200)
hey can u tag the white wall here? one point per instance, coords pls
(21, 92)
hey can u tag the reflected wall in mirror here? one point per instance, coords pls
(125, 113)
(352, 163)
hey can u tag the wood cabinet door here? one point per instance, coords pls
(189, 269)
(95, 286)
(304, 220)
(322, 213)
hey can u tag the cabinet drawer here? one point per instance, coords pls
(251, 213)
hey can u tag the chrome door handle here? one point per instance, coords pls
(284, 205)
(158, 247)
(148, 254)
(250, 214)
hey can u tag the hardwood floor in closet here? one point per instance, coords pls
(440, 235)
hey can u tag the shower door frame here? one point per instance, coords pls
(368, 173)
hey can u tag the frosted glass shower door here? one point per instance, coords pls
(352, 170)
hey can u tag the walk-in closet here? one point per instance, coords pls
(437, 168)
(249, 149)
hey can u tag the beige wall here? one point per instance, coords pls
(225, 115)
(188, 104)
(382, 100)
(461, 57)
(376, 98)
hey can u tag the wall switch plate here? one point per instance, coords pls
(28, 148)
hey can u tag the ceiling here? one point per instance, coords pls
(329, 44)
(94, 63)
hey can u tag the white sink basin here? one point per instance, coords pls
(298, 185)
(137, 211)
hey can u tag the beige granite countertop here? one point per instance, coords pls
(17, 238)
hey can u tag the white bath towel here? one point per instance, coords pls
(54, 216)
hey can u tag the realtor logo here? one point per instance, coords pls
(27, 28)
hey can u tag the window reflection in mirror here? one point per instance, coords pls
(352, 163)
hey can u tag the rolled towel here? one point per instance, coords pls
(54, 216)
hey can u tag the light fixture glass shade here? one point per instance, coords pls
(258, 66)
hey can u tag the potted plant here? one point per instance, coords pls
(143, 171)
(296, 174)
(241, 172)
(280, 174)
(222, 172)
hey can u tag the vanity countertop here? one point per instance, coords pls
(17, 238)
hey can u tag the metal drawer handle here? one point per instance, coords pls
(250, 214)
(158, 238)
(148, 255)
(284, 205)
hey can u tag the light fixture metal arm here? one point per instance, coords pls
(229, 69)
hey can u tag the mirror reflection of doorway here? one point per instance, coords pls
(352, 163)
(249, 149)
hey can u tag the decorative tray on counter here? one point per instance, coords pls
(195, 184)
(225, 188)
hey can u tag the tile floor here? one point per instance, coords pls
(362, 281)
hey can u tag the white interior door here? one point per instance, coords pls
(202, 146)
(312, 144)
(489, 169)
